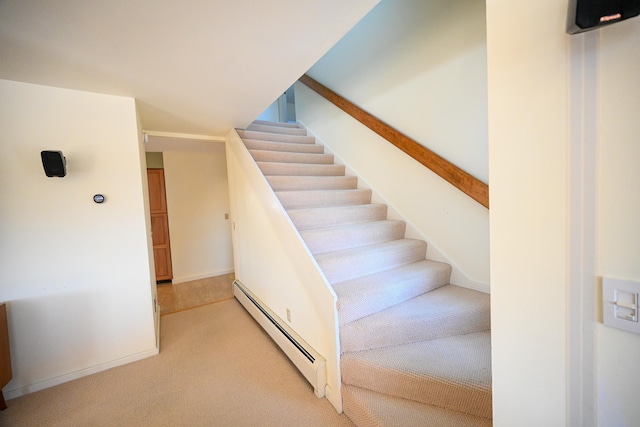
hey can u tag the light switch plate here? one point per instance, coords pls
(620, 304)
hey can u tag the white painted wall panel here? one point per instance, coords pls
(422, 68)
(618, 213)
(76, 274)
(197, 201)
(273, 262)
(528, 168)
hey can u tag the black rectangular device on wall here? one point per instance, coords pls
(585, 15)
(54, 163)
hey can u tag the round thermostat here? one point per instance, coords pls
(98, 198)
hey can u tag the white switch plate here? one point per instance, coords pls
(620, 301)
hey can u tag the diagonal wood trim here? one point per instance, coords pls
(471, 186)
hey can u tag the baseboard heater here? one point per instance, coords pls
(304, 357)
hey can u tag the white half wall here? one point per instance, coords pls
(273, 262)
(197, 202)
(76, 275)
(420, 67)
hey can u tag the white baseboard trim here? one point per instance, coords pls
(177, 280)
(11, 394)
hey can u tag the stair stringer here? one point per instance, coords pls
(272, 260)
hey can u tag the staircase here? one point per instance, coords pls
(415, 350)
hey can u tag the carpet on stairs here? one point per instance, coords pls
(415, 349)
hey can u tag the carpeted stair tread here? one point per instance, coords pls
(257, 144)
(289, 157)
(320, 198)
(272, 168)
(276, 124)
(339, 266)
(305, 219)
(448, 310)
(370, 294)
(270, 136)
(452, 372)
(292, 183)
(368, 408)
(277, 129)
(352, 235)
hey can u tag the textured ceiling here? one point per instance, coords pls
(194, 66)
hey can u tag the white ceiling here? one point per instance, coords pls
(195, 66)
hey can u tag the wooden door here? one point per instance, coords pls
(5, 354)
(159, 224)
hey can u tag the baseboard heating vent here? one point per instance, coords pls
(311, 364)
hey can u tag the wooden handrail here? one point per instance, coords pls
(471, 186)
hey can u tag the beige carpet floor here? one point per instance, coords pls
(216, 367)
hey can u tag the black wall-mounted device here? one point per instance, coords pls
(54, 163)
(585, 15)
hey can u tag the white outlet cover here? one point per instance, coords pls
(613, 289)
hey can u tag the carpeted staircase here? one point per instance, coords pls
(415, 349)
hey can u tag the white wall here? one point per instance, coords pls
(420, 67)
(528, 166)
(272, 112)
(273, 262)
(618, 213)
(197, 201)
(76, 274)
(589, 85)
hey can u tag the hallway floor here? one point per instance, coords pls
(183, 296)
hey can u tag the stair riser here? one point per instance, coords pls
(297, 183)
(292, 147)
(452, 372)
(290, 169)
(367, 408)
(269, 136)
(286, 157)
(357, 411)
(345, 266)
(305, 219)
(340, 238)
(362, 297)
(277, 129)
(277, 124)
(431, 392)
(315, 199)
